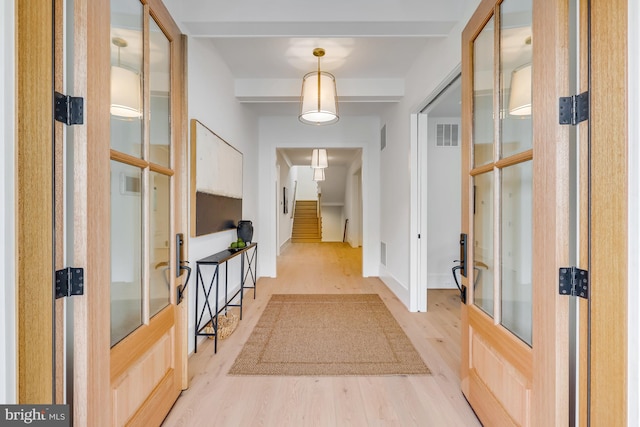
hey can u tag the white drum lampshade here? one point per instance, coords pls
(125, 93)
(318, 174)
(520, 97)
(319, 99)
(319, 158)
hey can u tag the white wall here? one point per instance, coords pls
(332, 223)
(443, 201)
(307, 187)
(212, 102)
(287, 179)
(8, 367)
(349, 132)
(397, 190)
(633, 264)
(353, 203)
(333, 203)
(333, 190)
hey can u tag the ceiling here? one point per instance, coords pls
(335, 156)
(370, 45)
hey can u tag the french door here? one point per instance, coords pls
(516, 372)
(126, 186)
(515, 212)
(146, 186)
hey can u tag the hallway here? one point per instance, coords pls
(215, 399)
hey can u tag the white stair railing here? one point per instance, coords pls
(293, 203)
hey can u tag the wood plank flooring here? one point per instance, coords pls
(216, 399)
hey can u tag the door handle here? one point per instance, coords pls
(462, 267)
(463, 254)
(181, 265)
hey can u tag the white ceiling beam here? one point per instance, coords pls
(349, 90)
(319, 29)
(327, 10)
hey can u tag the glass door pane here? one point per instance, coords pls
(126, 250)
(483, 269)
(126, 77)
(159, 221)
(160, 85)
(128, 181)
(517, 251)
(483, 127)
(516, 55)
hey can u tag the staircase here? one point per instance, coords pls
(307, 227)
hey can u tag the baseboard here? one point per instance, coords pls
(440, 281)
(399, 290)
(285, 244)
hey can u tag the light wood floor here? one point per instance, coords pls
(215, 399)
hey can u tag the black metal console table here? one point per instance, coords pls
(248, 261)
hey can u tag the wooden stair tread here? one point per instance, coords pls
(306, 224)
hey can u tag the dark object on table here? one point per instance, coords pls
(245, 230)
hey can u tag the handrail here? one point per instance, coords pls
(344, 235)
(293, 203)
(319, 213)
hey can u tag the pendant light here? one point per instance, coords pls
(319, 100)
(125, 88)
(318, 174)
(520, 96)
(319, 158)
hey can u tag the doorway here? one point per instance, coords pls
(438, 183)
(353, 228)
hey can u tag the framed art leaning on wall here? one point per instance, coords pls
(216, 182)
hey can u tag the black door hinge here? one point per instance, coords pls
(69, 281)
(68, 109)
(574, 282)
(574, 109)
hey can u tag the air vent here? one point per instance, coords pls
(447, 134)
(130, 184)
(383, 253)
(383, 137)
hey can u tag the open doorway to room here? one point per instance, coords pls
(438, 190)
(352, 233)
(335, 195)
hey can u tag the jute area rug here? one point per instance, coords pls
(327, 335)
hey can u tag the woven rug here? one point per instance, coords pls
(327, 335)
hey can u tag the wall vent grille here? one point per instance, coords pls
(447, 134)
(130, 184)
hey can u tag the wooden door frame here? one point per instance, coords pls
(609, 222)
(550, 404)
(91, 215)
(34, 199)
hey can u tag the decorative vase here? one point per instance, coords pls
(245, 230)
